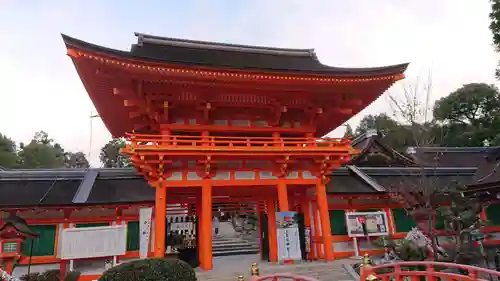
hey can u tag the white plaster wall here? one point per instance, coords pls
(348, 246)
(88, 267)
(21, 270)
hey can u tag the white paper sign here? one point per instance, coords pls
(145, 231)
(288, 236)
(94, 242)
(289, 244)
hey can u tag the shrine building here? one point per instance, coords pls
(208, 125)
(47, 202)
(244, 123)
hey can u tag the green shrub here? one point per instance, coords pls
(34, 276)
(151, 270)
(50, 275)
(72, 276)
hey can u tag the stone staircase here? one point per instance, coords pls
(230, 246)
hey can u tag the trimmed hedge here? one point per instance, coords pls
(151, 270)
(50, 275)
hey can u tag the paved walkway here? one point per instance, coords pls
(229, 268)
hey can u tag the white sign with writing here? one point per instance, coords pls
(361, 224)
(145, 231)
(94, 242)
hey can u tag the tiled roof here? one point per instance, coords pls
(449, 156)
(374, 153)
(220, 55)
(116, 186)
(19, 224)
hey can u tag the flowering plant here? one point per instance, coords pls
(4, 276)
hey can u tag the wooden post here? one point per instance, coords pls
(9, 267)
(390, 221)
(282, 196)
(325, 220)
(160, 219)
(271, 226)
(259, 225)
(316, 233)
(206, 221)
(199, 231)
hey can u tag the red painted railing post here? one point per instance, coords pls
(254, 272)
(366, 271)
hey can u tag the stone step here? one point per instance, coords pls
(225, 238)
(232, 248)
(234, 252)
(227, 246)
(235, 241)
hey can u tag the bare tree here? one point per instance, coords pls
(423, 192)
(412, 107)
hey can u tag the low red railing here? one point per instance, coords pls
(430, 271)
(178, 141)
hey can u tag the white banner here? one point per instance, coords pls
(145, 231)
(289, 244)
(94, 242)
(288, 236)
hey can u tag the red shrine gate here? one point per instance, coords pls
(206, 120)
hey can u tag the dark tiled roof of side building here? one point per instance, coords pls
(373, 152)
(56, 187)
(488, 172)
(449, 156)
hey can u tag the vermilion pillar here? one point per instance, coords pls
(271, 226)
(282, 196)
(199, 230)
(206, 221)
(160, 219)
(325, 220)
(318, 252)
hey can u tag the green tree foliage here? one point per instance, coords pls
(467, 117)
(394, 134)
(8, 153)
(349, 133)
(76, 160)
(381, 123)
(495, 28)
(470, 115)
(462, 219)
(111, 156)
(42, 152)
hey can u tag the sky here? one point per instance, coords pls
(40, 89)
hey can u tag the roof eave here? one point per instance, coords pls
(331, 71)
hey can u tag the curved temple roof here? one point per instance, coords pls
(199, 53)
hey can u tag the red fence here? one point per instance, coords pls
(429, 271)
